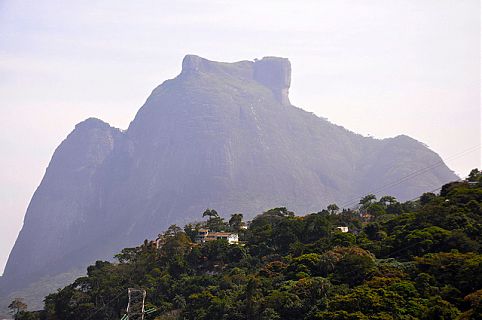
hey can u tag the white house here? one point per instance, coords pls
(205, 235)
(343, 229)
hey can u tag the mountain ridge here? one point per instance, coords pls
(219, 135)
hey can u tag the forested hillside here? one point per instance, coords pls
(420, 259)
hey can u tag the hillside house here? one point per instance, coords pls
(205, 235)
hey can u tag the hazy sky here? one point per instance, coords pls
(376, 67)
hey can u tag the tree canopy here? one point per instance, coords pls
(415, 260)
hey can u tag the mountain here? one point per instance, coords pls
(219, 135)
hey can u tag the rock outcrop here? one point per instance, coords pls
(219, 135)
(275, 73)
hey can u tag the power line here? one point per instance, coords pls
(432, 191)
(104, 306)
(412, 175)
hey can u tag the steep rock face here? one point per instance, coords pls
(63, 208)
(219, 135)
(274, 73)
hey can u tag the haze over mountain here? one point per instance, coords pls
(219, 135)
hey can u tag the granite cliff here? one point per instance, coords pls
(219, 135)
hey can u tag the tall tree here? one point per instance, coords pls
(211, 213)
(17, 306)
(333, 208)
(236, 221)
(367, 200)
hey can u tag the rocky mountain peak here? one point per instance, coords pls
(213, 137)
(271, 72)
(92, 123)
(274, 73)
(192, 63)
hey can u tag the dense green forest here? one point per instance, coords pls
(419, 259)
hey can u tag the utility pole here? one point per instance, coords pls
(135, 308)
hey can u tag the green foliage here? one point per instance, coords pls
(413, 260)
(333, 208)
(236, 222)
(215, 222)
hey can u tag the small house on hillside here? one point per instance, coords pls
(205, 235)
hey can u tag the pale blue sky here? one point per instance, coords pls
(374, 66)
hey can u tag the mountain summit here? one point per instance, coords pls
(219, 135)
